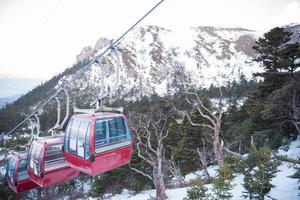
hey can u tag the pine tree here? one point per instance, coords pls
(261, 170)
(223, 183)
(270, 105)
(275, 54)
(197, 192)
(289, 55)
(185, 152)
(268, 48)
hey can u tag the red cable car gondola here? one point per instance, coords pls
(16, 173)
(46, 163)
(97, 143)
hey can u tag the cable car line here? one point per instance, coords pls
(110, 47)
(32, 127)
(67, 110)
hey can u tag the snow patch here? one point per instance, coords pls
(286, 187)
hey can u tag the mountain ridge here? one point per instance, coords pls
(150, 56)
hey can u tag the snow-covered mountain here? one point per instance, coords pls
(295, 29)
(151, 55)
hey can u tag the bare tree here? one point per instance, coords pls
(151, 130)
(214, 120)
(175, 171)
(203, 160)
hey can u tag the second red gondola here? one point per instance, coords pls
(46, 163)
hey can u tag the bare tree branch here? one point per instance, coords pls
(141, 172)
(149, 141)
(226, 149)
(150, 161)
(195, 124)
(202, 105)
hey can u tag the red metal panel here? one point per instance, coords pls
(78, 163)
(54, 177)
(111, 160)
(22, 186)
(36, 179)
(103, 162)
(59, 176)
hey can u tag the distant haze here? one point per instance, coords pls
(10, 87)
(42, 38)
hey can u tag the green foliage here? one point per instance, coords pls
(296, 175)
(6, 192)
(268, 111)
(269, 48)
(98, 188)
(258, 177)
(115, 181)
(185, 151)
(232, 90)
(223, 183)
(237, 128)
(197, 192)
(235, 164)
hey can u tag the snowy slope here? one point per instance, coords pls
(149, 56)
(286, 187)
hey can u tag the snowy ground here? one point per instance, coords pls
(286, 188)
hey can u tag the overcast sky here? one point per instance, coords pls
(40, 38)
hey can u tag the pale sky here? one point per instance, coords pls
(41, 38)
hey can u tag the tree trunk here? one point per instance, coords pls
(202, 157)
(218, 151)
(160, 188)
(159, 178)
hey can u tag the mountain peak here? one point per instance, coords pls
(150, 55)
